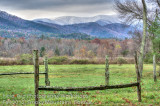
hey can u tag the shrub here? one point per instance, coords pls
(24, 59)
(90, 54)
(130, 61)
(121, 61)
(125, 53)
(58, 60)
(7, 62)
(82, 61)
(149, 58)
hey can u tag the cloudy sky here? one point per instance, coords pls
(32, 9)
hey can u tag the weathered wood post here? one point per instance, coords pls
(159, 69)
(107, 71)
(47, 82)
(154, 68)
(138, 78)
(36, 75)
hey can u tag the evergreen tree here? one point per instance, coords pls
(154, 31)
(42, 51)
(42, 37)
(57, 53)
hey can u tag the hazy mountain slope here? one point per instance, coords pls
(16, 24)
(13, 26)
(121, 28)
(97, 30)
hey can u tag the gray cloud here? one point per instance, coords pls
(42, 4)
(61, 6)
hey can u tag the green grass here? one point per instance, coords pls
(20, 88)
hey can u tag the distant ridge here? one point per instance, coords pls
(69, 20)
(76, 27)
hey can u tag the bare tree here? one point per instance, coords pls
(157, 2)
(141, 56)
(133, 10)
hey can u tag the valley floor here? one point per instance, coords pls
(19, 89)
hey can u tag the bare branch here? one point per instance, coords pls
(129, 10)
(132, 11)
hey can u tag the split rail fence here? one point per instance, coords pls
(47, 82)
(102, 87)
(47, 86)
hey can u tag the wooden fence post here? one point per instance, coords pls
(159, 69)
(138, 78)
(154, 68)
(47, 82)
(107, 71)
(36, 75)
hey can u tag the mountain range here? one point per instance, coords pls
(102, 26)
(69, 20)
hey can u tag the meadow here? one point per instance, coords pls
(19, 89)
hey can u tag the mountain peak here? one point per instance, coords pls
(69, 20)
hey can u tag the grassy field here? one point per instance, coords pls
(19, 89)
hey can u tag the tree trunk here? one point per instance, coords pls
(154, 63)
(154, 68)
(141, 56)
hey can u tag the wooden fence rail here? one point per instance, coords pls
(102, 87)
(20, 73)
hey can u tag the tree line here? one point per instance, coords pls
(11, 47)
